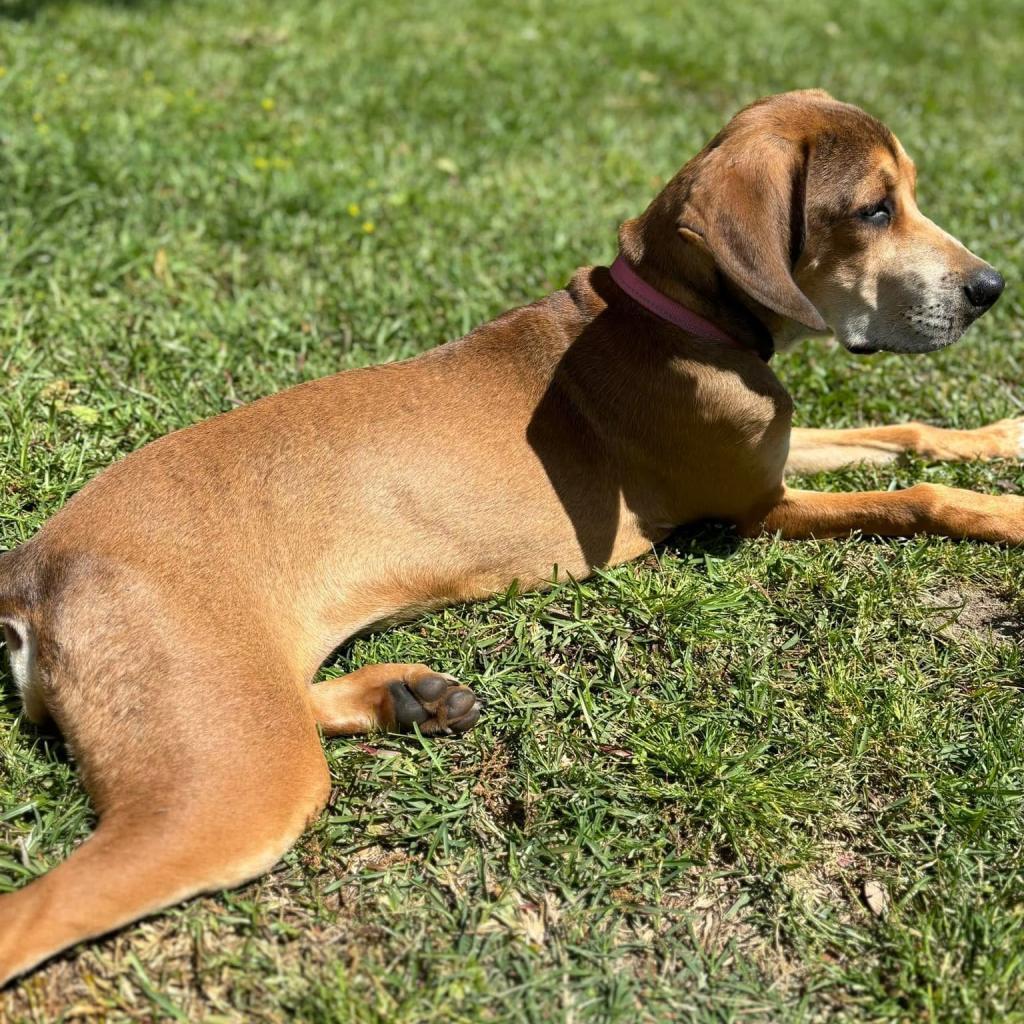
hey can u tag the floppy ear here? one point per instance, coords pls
(746, 207)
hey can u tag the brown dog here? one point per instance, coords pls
(172, 616)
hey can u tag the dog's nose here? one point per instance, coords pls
(984, 288)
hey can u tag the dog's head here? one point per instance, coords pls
(806, 208)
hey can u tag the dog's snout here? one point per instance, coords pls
(984, 287)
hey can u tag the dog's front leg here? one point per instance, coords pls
(923, 508)
(819, 451)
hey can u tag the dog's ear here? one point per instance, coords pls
(746, 207)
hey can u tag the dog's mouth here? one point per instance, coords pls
(910, 330)
(863, 349)
(908, 316)
(911, 346)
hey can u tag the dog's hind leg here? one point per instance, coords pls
(394, 697)
(192, 797)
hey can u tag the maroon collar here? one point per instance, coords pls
(668, 309)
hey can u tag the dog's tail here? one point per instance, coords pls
(19, 630)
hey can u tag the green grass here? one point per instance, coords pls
(688, 767)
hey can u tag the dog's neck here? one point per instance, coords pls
(689, 277)
(662, 306)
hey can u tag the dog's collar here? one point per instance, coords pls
(668, 309)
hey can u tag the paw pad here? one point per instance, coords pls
(438, 704)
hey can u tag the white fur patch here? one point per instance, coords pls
(21, 652)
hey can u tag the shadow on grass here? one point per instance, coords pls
(29, 10)
(707, 537)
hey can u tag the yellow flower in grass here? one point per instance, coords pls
(3, 71)
(62, 78)
(353, 209)
(277, 163)
(369, 227)
(267, 104)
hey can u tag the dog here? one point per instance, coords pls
(171, 618)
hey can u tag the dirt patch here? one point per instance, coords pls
(962, 612)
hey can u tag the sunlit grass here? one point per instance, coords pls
(688, 767)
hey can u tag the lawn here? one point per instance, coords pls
(690, 769)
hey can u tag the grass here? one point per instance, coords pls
(689, 767)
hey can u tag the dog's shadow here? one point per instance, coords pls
(695, 540)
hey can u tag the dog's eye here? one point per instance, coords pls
(878, 214)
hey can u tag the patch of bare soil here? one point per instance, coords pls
(961, 612)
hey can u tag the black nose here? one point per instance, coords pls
(984, 288)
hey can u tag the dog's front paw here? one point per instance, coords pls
(1002, 440)
(438, 704)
